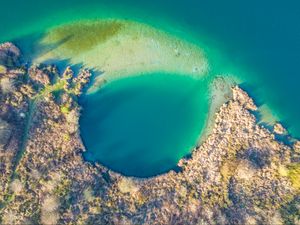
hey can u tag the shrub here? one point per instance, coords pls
(126, 185)
(49, 218)
(50, 204)
(294, 174)
(7, 85)
(16, 186)
(64, 109)
(49, 214)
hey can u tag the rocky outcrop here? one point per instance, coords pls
(243, 98)
(9, 55)
(279, 129)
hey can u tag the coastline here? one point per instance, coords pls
(113, 70)
(240, 173)
(238, 161)
(220, 93)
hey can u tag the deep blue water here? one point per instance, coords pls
(142, 126)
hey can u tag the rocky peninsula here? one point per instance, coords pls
(240, 174)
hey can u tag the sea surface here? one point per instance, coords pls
(258, 42)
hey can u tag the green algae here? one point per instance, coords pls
(79, 37)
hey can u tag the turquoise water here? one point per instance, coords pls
(257, 41)
(143, 125)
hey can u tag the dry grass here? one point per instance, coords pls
(126, 185)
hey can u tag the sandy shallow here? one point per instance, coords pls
(129, 48)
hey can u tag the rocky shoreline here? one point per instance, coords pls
(240, 174)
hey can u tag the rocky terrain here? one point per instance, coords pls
(241, 174)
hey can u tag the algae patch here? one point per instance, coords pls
(80, 37)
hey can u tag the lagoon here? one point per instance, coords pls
(256, 42)
(143, 125)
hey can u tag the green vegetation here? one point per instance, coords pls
(67, 137)
(63, 188)
(294, 174)
(64, 109)
(79, 37)
(2, 69)
(59, 85)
